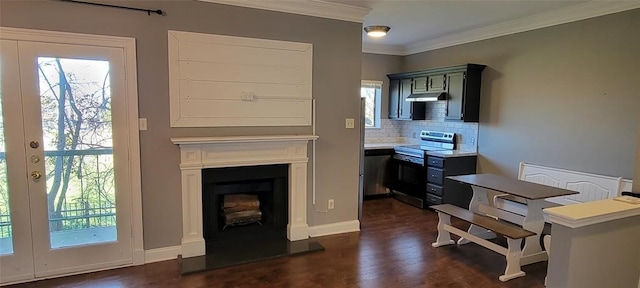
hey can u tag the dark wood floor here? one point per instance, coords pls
(392, 250)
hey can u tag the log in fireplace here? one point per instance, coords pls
(264, 186)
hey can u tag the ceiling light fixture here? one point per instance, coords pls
(377, 31)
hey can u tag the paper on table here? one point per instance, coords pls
(628, 199)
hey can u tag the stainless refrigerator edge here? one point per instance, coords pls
(361, 167)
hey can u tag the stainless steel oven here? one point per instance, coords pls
(410, 179)
(409, 182)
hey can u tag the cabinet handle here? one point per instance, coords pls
(433, 175)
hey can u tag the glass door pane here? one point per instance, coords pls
(16, 249)
(75, 102)
(6, 235)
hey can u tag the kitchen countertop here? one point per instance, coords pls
(371, 146)
(443, 153)
(451, 153)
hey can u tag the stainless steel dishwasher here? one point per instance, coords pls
(377, 164)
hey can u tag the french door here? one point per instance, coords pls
(65, 170)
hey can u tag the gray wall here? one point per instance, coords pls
(565, 96)
(376, 67)
(636, 176)
(336, 79)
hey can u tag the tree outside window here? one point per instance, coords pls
(371, 91)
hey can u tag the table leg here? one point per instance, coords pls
(534, 222)
(479, 197)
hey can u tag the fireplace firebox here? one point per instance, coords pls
(267, 184)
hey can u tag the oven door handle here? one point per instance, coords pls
(409, 159)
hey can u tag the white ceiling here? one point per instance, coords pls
(423, 25)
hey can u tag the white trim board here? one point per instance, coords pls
(315, 8)
(162, 254)
(221, 81)
(334, 228)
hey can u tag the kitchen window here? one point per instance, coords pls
(371, 91)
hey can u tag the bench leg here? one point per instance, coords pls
(513, 260)
(444, 237)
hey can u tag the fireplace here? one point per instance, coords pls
(197, 154)
(244, 203)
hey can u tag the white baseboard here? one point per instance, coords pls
(138, 256)
(162, 254)
(334, 228)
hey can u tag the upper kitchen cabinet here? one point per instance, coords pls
(399, 107)
(429, 83)
(460, 84)
(463, 93)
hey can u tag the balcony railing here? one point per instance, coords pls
(79, 214)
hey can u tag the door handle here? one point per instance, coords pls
(36, 174)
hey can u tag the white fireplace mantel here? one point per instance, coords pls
(197, 153)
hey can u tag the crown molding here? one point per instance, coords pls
(561, 16)
(382, 49)
(316, 8)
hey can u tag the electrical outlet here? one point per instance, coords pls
(142, 124)
(473, 141)
(331, 204)
(349, 123)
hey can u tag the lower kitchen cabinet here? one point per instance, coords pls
(444, 191)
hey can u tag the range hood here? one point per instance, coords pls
(427, 97)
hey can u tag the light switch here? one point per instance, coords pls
(142, 124)
(349, 123)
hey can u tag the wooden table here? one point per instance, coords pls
(486, 186)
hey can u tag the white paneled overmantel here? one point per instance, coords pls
(197, 153)
(217, 81)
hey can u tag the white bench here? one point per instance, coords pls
(591, 187)
(511, 232)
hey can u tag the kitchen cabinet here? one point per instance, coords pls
(436, 83)
(442, 190)
(399, 108)
(461, 84)
(429, 83)
(463, 93)
(419, 84)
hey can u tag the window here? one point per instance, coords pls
(371, 91)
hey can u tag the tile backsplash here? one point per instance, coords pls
(403, 131)
(390, 131)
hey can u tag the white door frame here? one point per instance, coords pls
(131, 99)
